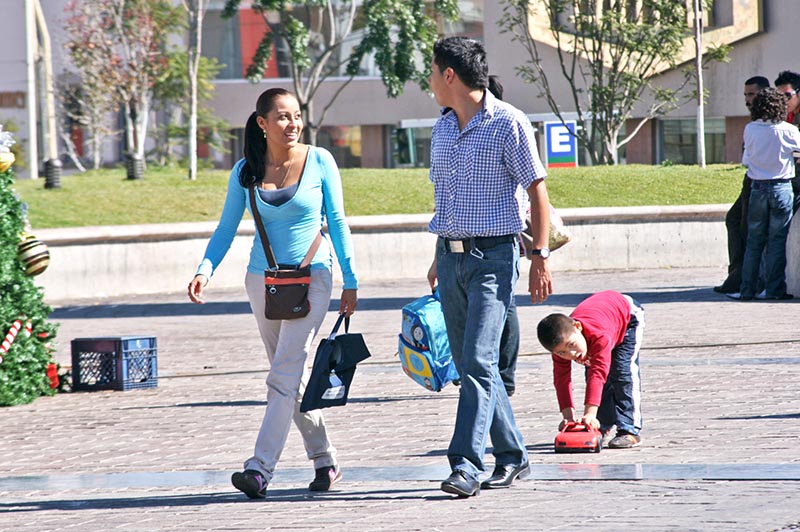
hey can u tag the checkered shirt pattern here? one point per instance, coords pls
(475, 172)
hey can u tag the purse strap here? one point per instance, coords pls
(273, 264)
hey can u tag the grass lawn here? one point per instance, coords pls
(105, 197)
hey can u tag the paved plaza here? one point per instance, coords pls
(720, 441)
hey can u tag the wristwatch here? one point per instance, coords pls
(544, 252)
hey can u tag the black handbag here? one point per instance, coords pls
(286, 289)
(334, 367)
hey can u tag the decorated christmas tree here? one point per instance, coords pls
(26, 357)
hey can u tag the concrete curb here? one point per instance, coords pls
(116, 260)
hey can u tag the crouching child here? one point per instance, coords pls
(604, 334)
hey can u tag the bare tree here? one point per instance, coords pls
(130, 37)
(88, 94)
(608, 51)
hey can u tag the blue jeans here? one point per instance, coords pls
(476, 289)
(621, 402)
(768, 218)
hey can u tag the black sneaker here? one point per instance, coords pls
(325, 477)
(251, 483)
(723, 289)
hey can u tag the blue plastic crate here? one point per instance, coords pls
(114, 363)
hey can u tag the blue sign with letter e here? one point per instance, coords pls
(562, 146)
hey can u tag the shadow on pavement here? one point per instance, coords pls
(137, 310)
(264, 403)
(122, 502)
(142, 310)
(169, 501)
(768, 416)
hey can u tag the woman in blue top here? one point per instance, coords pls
(297, 186)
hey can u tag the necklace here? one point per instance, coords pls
(288, 169)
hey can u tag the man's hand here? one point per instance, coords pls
(432, 274)
(540, 282)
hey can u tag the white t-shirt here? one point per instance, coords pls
(768, 148)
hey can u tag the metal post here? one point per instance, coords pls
(698, 41)
(52, 173)
(52, 166)
(31, 43)
(134, 165)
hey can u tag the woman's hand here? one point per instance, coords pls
(196, 288)
(348, 302)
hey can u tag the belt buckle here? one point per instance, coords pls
(455, 246)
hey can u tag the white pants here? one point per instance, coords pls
(288, 343)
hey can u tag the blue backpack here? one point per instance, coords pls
(423, 346)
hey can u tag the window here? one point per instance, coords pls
(470, 20)
(678, 139)
(221, 41)
(344, 143)
(411, 147)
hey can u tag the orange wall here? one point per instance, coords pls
(251, 30)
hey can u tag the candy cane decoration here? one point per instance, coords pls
(12, 335)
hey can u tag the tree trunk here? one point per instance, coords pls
(142, 118)
(310, 130)
(196, 12)
(97, 156)
(130, 135)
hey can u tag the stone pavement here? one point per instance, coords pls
(720, 443)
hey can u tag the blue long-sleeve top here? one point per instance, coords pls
(292, 226)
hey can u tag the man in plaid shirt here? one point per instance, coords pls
(482, 149)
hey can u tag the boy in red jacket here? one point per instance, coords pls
(603, 333)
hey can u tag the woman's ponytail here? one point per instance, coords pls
(255, 152)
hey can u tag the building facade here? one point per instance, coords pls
(366, 128)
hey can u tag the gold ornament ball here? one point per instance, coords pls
(34, 255)
(6, 160)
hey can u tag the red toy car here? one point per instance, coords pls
(578, 438)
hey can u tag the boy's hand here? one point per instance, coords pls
(569, 415)
(590, 421)
(590, 417)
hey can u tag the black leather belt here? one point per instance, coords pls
(772, 181)
(454, 245)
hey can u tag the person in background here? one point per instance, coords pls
(509, 339)
(736, 218)
(292, 184)
(769, 143)
(482, 149)
(788, 83)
